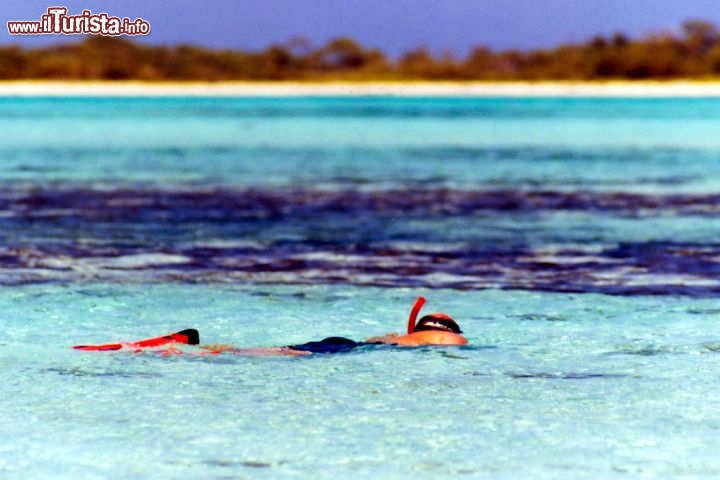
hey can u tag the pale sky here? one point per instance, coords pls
(394, 26)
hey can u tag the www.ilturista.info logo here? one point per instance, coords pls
(57, 22)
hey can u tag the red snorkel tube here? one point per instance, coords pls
(414, 313)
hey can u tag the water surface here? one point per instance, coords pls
(574, 240)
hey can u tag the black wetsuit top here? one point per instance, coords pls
(328, 345)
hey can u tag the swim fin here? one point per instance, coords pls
(188, 336)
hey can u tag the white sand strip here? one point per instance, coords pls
(408, 89)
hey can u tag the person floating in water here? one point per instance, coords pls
(433, 329)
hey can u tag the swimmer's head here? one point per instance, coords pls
(438, 321)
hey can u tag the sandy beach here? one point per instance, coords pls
(251, 89)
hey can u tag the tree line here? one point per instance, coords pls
(692, 53)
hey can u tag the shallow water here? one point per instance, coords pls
(554, 385)
(574, 240)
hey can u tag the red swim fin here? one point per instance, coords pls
(414, 313)
(189, 336)
(99, 348)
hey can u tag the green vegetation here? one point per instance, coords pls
(695, 53)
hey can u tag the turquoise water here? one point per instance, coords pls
(470, 143)
(574, 240)
(553, 386)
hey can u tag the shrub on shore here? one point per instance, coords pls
(694, 53)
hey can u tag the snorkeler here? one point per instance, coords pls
(433, 329)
